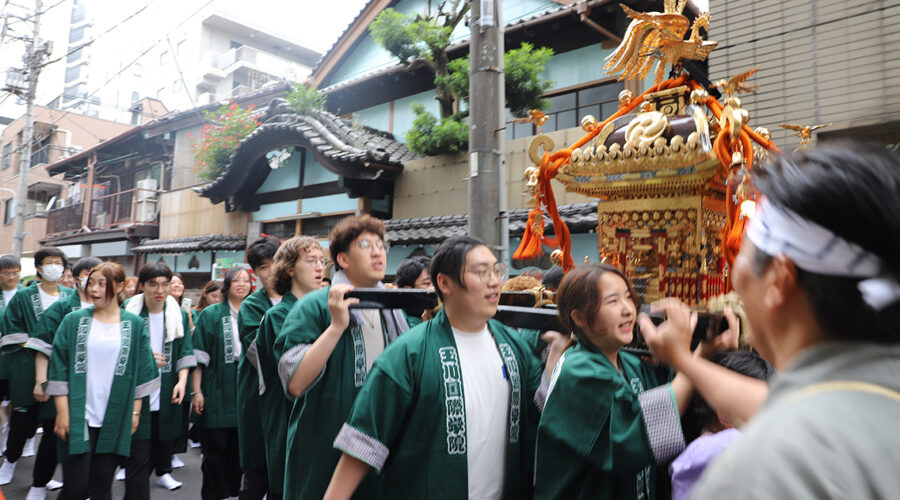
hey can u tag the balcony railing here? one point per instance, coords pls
(132, 207)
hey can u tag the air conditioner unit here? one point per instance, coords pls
(146, 211)
(146, 189)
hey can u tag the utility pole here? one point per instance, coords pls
(487, 104)
(34, 58)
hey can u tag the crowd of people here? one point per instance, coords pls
(295, 393)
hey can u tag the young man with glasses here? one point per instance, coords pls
(325, 352)
(297, 270)
(161, 414)
(450, 410)
(20, 324)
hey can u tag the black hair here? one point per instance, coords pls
(9, 261)
(409, 271)
(699, 415)
(851, 190)
(153, 270)
(552, 278)
(450, 257)
(260, 250)
(230, 275)
(85, 264)
(45, 252)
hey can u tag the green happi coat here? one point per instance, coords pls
(603, 431)
(19, 325)
(317, 415)
(214, 350)
(4, 373)
(179, 354)
(252, 450)
(45, 331)
(275, 407)
(135, 376)
(409, 419)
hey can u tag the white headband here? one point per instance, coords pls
(776, 230)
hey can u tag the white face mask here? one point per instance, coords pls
(83, 282)
(52, 272)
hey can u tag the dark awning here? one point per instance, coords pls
(193, 244)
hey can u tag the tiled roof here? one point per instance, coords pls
(193, 244)
(581, 217)
(343, 148)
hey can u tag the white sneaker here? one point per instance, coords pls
(6, 472)
(36, 493)
(28, 449)
(193, 444)
(176, 462)
(53, 485)
(168, 482)
(120, 475)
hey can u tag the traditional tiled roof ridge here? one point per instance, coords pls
(193, 243)
(580, 217)
(331, 137)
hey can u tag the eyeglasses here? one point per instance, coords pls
(152, 285)
(10, 274)
(485, 271)
(315, 262)
(368, 245)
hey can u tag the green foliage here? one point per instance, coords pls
(456, 81)
(430, 138)
(393, 31)
(522, 68)
(524, 85)
(303, 99)
(227, 127)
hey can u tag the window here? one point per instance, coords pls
(76, 34)
(7, 155)
(75, 55)
(568, 108)
(10, 211)
(78, 13)
(73, 93)
(73, 73)
(282, 230)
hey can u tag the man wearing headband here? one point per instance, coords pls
(818, 274)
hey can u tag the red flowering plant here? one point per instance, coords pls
(226, 127)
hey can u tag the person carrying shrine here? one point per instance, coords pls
(325, 351)
(450, 409)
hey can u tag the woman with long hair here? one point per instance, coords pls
(217, 348)
(100, 370)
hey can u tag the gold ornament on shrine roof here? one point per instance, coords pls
(658, 37)
(804, 132)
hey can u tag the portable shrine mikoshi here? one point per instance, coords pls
(673, 165)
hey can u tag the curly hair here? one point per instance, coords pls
(286, 258)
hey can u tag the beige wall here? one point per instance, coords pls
(72, 130)
(820, 61)
(437, 185)
(185, 213)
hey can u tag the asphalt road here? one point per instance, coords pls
(190, 475)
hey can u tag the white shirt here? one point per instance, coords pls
(486, 392)
(103, 344)
(235, 333)
(275, 301)
(157, 334)
(46, 299)
(8, 295)
(372, 335)
(85, 305)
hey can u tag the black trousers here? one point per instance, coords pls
(181, 442)
(89, 475)
(221, 464)
(254, 485)
(146, 455)
(22, 425)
